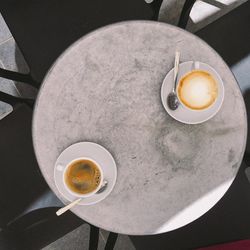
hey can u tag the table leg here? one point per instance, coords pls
(94, 238)
(111, 241)
(14, 100)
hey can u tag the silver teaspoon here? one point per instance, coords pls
(75, 202)
(172, 99)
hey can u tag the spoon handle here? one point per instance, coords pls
(66, 208)
(176, 68)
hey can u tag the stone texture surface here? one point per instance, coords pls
(106, 89)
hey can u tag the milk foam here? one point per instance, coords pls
(197, 90)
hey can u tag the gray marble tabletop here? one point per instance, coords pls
(106, 88)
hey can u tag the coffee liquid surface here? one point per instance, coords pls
(197, 89)
(83, 176)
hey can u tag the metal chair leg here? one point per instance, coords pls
(13, 100)
(188, 5)
(111, 241)
(15, 76)
(94, 238)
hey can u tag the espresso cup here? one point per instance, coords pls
(82, 172)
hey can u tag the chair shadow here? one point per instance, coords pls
(24, 89)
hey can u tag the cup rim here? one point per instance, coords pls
(177, 92)
(88, 194)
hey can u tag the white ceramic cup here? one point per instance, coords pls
(90, 193)
(197, 67)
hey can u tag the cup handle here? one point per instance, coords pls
(196, 65)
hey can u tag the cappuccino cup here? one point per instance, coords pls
(197, 90)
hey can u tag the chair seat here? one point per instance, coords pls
(22, 187)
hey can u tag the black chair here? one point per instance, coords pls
(44, 29)
(27, 206)
(188, 5)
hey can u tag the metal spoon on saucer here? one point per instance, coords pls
(172, 99)
(75, 202)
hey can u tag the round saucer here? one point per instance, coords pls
(89, 150)
(184, 114)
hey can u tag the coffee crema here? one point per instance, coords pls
(197, 90)
(82, 176)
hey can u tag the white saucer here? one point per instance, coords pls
(89, 150)
(184, 114)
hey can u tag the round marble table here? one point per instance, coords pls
(106, 89)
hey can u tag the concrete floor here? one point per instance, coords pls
(11, 58)
(78, 240)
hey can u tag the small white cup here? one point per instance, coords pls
(196, 66)
(88, 194)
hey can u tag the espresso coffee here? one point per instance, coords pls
(83, 176)
(197, 90)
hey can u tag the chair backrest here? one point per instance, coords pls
(44, 29)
